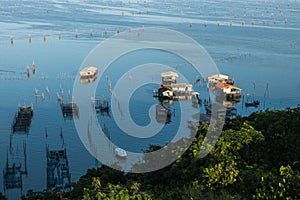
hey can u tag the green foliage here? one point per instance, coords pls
(255, 157)
(220, 175)
(283, 184)
(114, 191)
(232, 141)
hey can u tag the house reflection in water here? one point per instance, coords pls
(163, 113)
(88, 80)
(221, 110)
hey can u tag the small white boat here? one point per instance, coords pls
(88, 72)
(120, 153)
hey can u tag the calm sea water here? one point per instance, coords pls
(253, 55)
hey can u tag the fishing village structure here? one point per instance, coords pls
(227, 95)
(22, 119)
(100, 105)
(164, 92)
(169, 78)
(69, 109)
(58, 172)
(171, 89)
(88, 74)
(229, 91)
(13, 173)
(219, 78)
(255, 103)
(182, 89)
(223, 86)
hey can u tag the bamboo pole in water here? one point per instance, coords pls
(266, 92)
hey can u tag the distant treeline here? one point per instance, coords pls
(256, 157)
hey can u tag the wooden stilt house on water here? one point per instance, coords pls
(169, 78)
(171, 89)
(229, 91)
(223, 86)
(13, 174)
(69, 109)
(88, 74)
(22, 119)
(219, 78)
(58, 173)
(100, 105)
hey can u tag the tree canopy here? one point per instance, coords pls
(256, 157)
